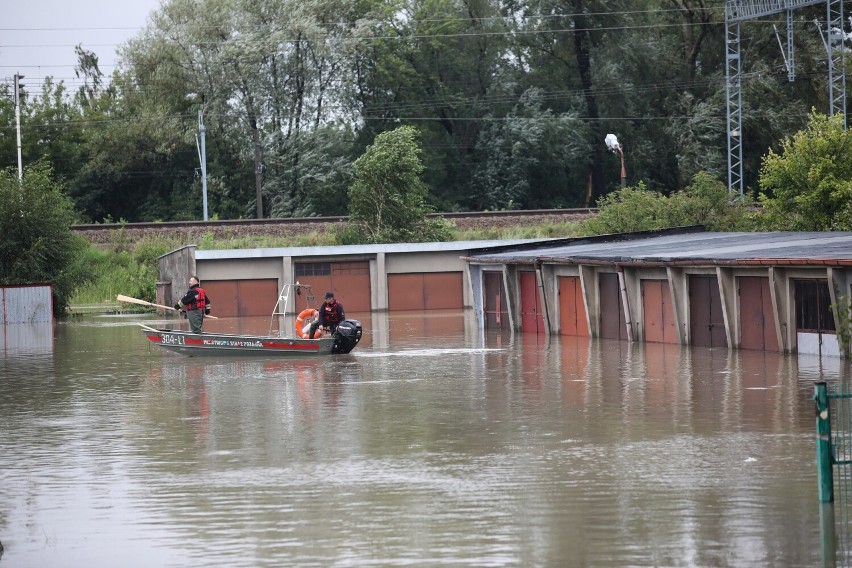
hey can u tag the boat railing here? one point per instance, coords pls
(280, 308)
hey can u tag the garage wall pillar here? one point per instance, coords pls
(379, 283)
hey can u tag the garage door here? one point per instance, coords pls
(572, 308)
(349, 281)
(242, 298)
(757, 320)
(532, 316)
(421, 291)
(658, 311)
(613, 323)
(706, 321)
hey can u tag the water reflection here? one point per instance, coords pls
(26, 338)
(429, 444)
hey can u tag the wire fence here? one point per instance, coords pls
(834, 462)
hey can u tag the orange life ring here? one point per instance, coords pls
(300, 322)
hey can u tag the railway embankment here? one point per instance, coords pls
(194, 231)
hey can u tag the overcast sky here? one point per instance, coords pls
(37, 37)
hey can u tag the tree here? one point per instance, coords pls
(36, 243)
(808, 185)
(387, 199)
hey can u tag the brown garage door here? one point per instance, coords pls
(572, 309)
(349, 281)
(757, 320)
(706, 321)
(496, 311)
(421, 291)
(659, 313)
(613, 323)
(242, 298)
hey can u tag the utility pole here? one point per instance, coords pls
(18, 86)
(202, 155)
(612, 143)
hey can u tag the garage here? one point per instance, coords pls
(424, 291)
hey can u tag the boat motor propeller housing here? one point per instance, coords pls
(346, 336)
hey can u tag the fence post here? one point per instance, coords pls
(824, 454)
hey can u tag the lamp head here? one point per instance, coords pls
(612, 142)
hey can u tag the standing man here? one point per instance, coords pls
(196, 303)
(330, 315)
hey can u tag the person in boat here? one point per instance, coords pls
(196, 303)
(330, 315)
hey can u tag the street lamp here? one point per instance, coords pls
(18, 86)
(612, 144)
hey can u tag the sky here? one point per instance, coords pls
(37, 37)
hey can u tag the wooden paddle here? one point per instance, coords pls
(130, 300)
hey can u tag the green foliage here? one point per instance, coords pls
(387, 199)
(842, 311)
(808, 185)
(36, 244)
(627, 210)
(113, 272)
(706, 202)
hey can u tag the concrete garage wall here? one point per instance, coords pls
(241, 269)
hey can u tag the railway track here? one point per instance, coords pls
(109, 232)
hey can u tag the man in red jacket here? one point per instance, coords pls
(330, 315)
(196, 303)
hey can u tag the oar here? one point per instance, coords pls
(130, 300)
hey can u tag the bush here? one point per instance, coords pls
(706, 202)
(36, 242)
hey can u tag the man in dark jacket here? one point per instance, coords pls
(196, 303)
(330, 315)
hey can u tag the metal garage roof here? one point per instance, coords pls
(683, 247)
(342, 250)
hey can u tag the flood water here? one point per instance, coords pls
(429, 445)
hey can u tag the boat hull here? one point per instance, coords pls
(195, 344)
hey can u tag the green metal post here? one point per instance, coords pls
(824, 457)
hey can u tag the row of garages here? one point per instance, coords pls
(365, 278)
(765, 291)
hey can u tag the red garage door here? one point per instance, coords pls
(532, 316)
(421, 291)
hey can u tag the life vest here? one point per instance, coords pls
(331, 312)
(200, 301)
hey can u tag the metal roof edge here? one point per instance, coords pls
(613, 237)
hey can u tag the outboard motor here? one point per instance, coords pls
(346, 336)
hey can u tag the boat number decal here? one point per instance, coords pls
(167, 339)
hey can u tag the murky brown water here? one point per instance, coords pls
(427, 446)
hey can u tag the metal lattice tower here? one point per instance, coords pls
(737, 11)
